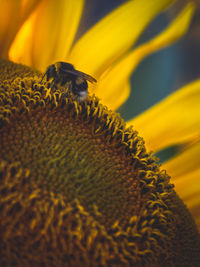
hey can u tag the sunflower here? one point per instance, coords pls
(118, 208)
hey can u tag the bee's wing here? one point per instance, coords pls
(87, 77)
(82, 74)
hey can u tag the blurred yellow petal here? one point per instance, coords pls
(12, 15)
(115, 99)
(184, 170)
(114, 35)
(188, 188)
(27, 7)
(174, 120)
(9, 20)
(48, 34)
(117, 75)
(182, 164)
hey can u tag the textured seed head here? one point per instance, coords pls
(78, 188)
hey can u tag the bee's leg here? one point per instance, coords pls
(69, 90)
(70, 87)
(47, 74)
(51, 85)
(42, 78)
(66, 93)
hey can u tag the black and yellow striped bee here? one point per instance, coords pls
(64, 73)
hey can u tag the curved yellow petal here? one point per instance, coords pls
(12, 15)
(119, 73)
(188, 188)
(184, 170)
(9, 20)
(47, 35)
(27, 6)
(185, 162)
(174, 120)
(114, 35)
(113, 100)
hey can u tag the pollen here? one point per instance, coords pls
(78, 188)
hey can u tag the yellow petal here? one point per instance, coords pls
(47, 35)
(115, 99)
(174, 120)
(27, 6)
(117, 75)
(114, 35)
(115, 79)
(184, 170)
(12, 15)
(188, 188)
(185, 162)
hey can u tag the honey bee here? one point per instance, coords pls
(64, 73)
